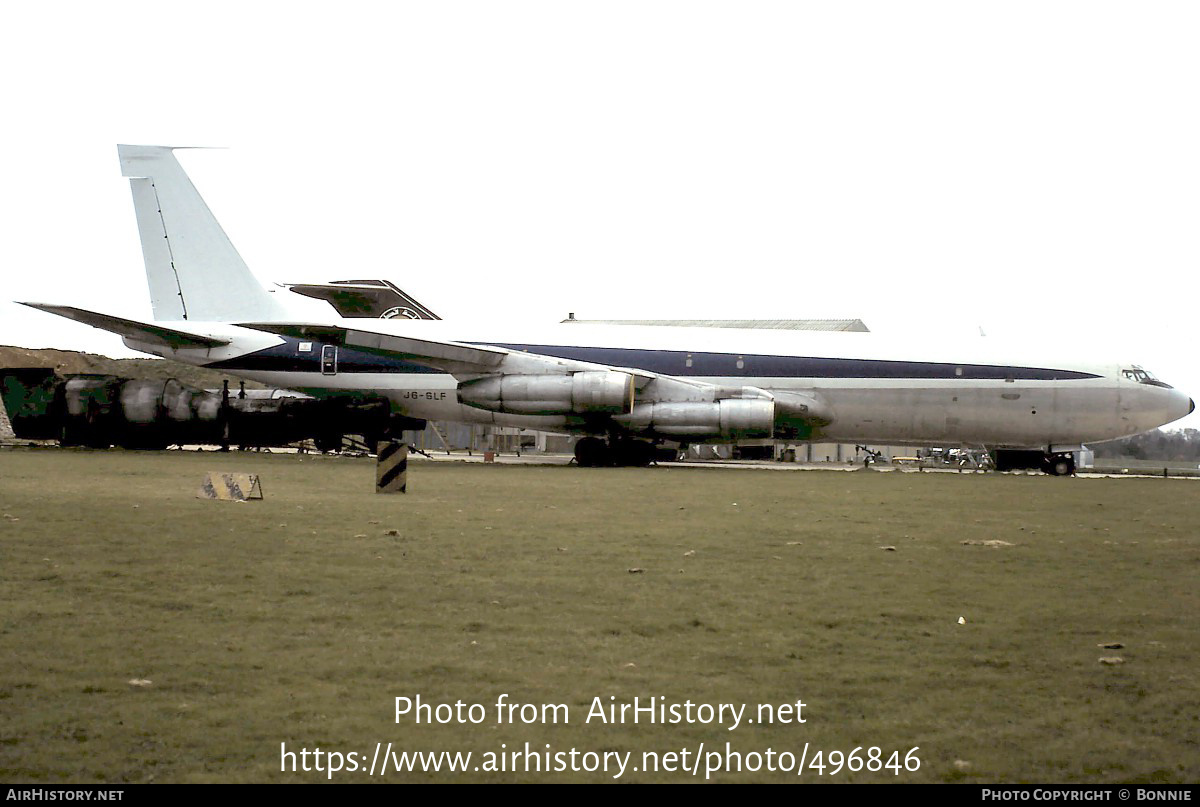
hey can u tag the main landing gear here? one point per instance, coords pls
(596, 452)
(1058, 464)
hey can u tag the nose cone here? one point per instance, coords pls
(1180, 406)
(1146, 407)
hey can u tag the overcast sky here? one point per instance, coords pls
(1031, 168)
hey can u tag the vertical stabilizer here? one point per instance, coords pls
(193, 270)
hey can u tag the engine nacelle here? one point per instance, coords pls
(800, 415)
(730, 417)
(589, 392)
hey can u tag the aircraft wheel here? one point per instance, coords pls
(666, 454)
(592, 452)
(328, 442)
(1059, 465)
(635, 453)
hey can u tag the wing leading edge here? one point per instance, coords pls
(604, 398)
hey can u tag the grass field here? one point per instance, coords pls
(300, 620)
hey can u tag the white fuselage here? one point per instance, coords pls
(879, 389)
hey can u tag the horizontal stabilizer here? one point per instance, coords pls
(152, 333)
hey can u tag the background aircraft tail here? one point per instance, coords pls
(193, 270)
(365, 298)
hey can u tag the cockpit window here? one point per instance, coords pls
(1141, 376)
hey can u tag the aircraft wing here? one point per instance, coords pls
(152, 333)
(518, 382)
(462, 360)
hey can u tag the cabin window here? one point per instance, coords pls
(741, 363)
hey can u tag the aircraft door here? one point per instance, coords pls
(329, 359)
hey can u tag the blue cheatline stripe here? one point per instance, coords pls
(675, 362)
(288, 358)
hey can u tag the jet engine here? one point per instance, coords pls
(728, 417)
(800, 415)
(588, 392)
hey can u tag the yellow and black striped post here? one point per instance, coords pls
(391, 467)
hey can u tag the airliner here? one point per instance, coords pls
(625, 389)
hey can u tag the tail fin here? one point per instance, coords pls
(193, 270)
